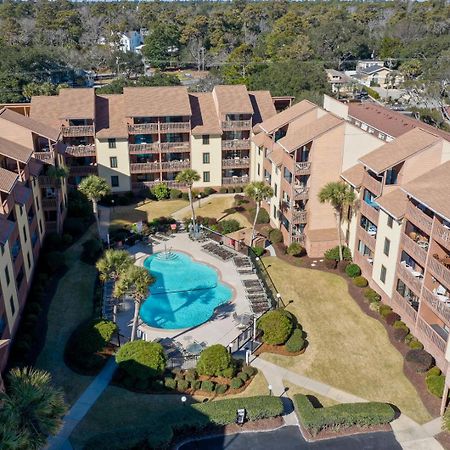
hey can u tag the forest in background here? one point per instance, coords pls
(282, 46)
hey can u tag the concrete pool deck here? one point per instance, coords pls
(221, 328)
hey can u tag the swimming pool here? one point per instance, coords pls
(184, 294)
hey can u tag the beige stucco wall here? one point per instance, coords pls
(336, 107)
(37, 198)
(390, 262)
(276, 199)
(10, 290)
(214, 148)
(25, 242)
(351, 225)
(256, 157)
(123, 163)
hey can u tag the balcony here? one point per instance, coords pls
(175, 127)
(46, 181)
(46, 157)
(149, 167)
(301, 192)
(236, 180)
(431, 335)
(143, 128)
(83, 170)
(78, 131)
(49, 203)
(372, 184)
(370, 212)
(236, 144)
(440, 307)
(236, 125)
(439, 268)
(178, 147)
(237, 163)
(300, 238)
(403, 307)
(412, 248)
(441, 234)
(413, 279)
(80, 150)
(136, 185)
(303, 168)
(419, 218)
(173, 166)
(299, 216)
(141, 149)
(368, 237)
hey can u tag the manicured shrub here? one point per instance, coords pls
(275, 236)
(434, 371)
(161, 191)
(231, 190)
(236, 383)
(175, 193)
(182, 385)
(276, 327)
(385, 310)
(420, 360)
(54, 261)
(258, 251)
(142, 385)
(415, 344)
(331, 263)
(185, 196)
(191, 375)
(142, 359)
(228, 226)
(221, 388)
(333, 253)
(341, 416)
(243, 376)
(391, 318)
(179, 376)
(353, 270)
(296, 342)
(435, 385)
(196, 384)
(238, 189)
(295, 249)
(399, 334)
(210, 191)
(228, 372)
(250, 371)
(360, 281)
(74, 226)
(208, 386)
(263, 216)
(170, 383)
(401, 325)
(213, 360)
(371, 295)
(92, 249)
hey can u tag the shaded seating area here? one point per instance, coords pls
(218, 251)
(243, 264)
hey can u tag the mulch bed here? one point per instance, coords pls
(277, 349)
(330, 434)
(444, 439)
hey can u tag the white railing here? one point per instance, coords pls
(236, 162)
(76, 131)
(138, 149)
(143, 128)
(411, 247)
(80, 150)
(236, 124)
(419, 218)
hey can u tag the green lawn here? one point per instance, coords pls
(347, 349)
(71, 305)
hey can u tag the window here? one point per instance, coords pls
(8, 279)
(275, 189)
(2, 325)
(40, 226)
(259, 169)
(383, 274)
(206, 177)
(115, 181)
(111, 143)
(206, 158)
(390, 221)
(12, 305)
(29, 260)
(205, 139)
(24, 233)
(274, 211)
(113, 162)
(387, 246)
(37, 203)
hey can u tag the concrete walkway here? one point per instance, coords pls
(82, 406)
(409, 434)
(104, 214)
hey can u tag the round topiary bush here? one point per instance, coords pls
(420, 360)
(175, 193)
(385, 310)
(228, 372)
(371, 295)
(360, 281)
(434, 371)
(435, 385)
(191, 375)
(221, 388)
(402, 325)
(142, 359)
(296, 342)
(391, 318)
(276, 327)
(208, 386)
(415, 344)
(182, 385)
(295, 249)
(213, 360)
(275, 236)
(353, 270)
(243, 376)
(236, 383)
(333, 253)
(250, 371)
(196, 385)
(399, 334)
(170, 383)
(263, 216)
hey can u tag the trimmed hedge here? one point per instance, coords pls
(236, 383)
(353, 270)
(420, 360)
(333, 253)
(371, 295)
(391, 318)
(296, 342)
(275, 236)
(276, 326)
(385, 310)
(399, 334)
(295, 249)
(213, 360)
(435, 385)
(341, 416)
(360, 282)
(208, 386)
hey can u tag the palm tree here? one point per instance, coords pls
(339, 195)
(113, 263)
(258, 191)
(94, 188)
(57, 172)
(31, 408)
(188, 177)
(135, 282)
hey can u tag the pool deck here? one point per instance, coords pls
(221, 328)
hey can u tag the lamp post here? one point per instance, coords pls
(230, 346)
(270, 389)
(183, 400)
(112, 204)
(199, 196)
(278, 299)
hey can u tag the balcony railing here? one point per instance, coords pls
(150, 184)
(404, 307)
(441, 234)
(367, 238)
(78, 131)
(300, 238)
(372, 184)
(236, 144)
(301, 192)
(419, 218)
(303, 168)
(368, 211)
(175, 147)
(140, 149)
(236, 162)
(414, 283)
(299, 216)
(143, 128)
(83, 170)
(49, 203)
(172, 166)
(411, 247)
(438, 306)
(236, 124)
(46, 181)
(46, 157)
(431, 334)
(175, 127)
(149, 167)
(439, 270)
(80, 150)
(236, 180)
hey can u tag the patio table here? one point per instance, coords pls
(194, 348)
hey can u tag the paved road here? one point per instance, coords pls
(290, 438)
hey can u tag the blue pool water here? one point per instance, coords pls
(185, 293)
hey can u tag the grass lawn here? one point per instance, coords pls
(347, 349)
(126, 215)
(294, 389)
(71, 305)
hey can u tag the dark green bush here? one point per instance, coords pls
(275, 236)
(415, 344)
(196, 384)
(208, 386)
(185, 196)
(221, 388)
(74, 226)
(353, 270)
(420, 360)
(92, 249)
(236, 383)
(258, 251)
(434, 371)
(333, 253)
(170, 383)
(263, 216)
(391, 318)
(191, 375)
(243, 376)
(341, 416)
(296, 342)
(295, 249)
(142, 359)
(399, 334)
(228, 226)
(435, 385)
(175, 193)
(398, 324)
(161, 191)
(360, 281)
(250, 371)
(142, 385)
(213, 360)
(210, 191)
(276, 327)
(182, 385)
(223, 190)
(228, 372)
(53, 241)
(385, 310)
(371, 295)
(54, 261)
